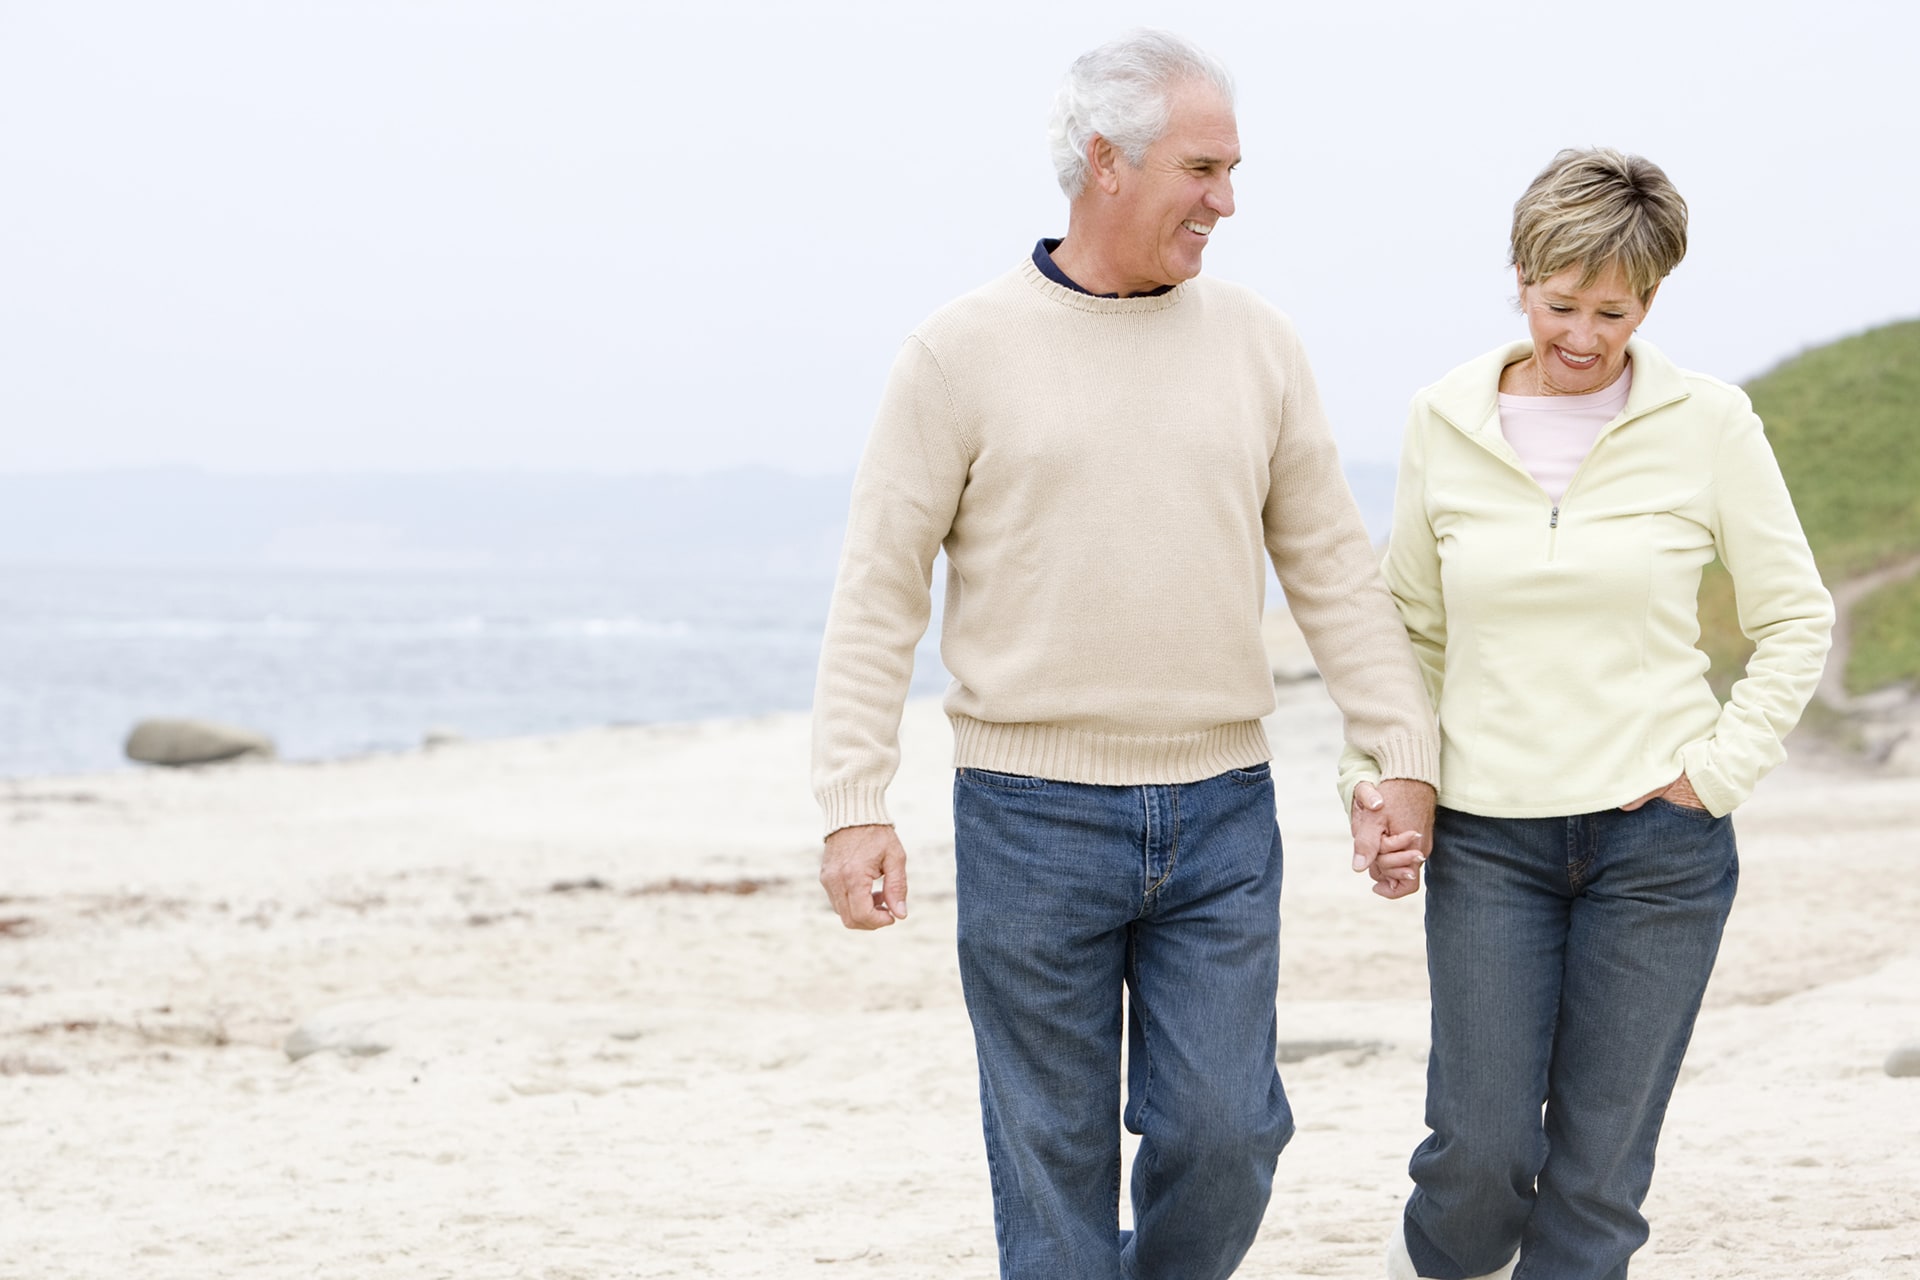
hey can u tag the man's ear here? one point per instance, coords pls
(1103, 164)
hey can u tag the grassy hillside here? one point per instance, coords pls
(1843, 420)
(1886, 638)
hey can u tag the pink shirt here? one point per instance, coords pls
(1554, 434)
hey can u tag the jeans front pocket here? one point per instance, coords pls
(1687, 810)
(1008, 781)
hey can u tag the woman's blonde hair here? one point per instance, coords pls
(1597, 207)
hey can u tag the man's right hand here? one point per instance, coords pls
(854, 858)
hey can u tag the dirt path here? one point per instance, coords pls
(1833, 681)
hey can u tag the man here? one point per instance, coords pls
(1106, 446)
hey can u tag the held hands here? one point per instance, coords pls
(1679, 791)
(1393, 821)
(854, 858)
(1392, 833)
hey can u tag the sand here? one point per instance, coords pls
(623, 1035)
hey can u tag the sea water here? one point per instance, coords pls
(334, 664)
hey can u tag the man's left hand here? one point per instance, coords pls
(1392, 833)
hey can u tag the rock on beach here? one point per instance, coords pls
(185, 742)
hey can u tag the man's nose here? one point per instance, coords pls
(1220, 198)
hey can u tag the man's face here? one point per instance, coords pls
(1169, 205)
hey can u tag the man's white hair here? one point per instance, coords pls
(1122, 92)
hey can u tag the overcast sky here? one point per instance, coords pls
(621, 237)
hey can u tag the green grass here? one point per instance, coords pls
(1720, 639)
(1844, 421)
(1886, 637)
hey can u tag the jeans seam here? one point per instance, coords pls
(1139, 1002)
(1002, 1224)
(1173, 839)
(1578, 861)
(1147, 883)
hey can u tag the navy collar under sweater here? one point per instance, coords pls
(1043, 259)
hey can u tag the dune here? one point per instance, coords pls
(575, 1007)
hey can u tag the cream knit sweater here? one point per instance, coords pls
(1106, 476)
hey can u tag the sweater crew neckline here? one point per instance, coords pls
(1043, 259)
(1083, 301)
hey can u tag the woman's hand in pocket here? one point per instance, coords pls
(1679, 791)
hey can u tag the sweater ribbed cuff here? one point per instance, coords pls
(1350, 782)
(853, 807)
(1414, 758)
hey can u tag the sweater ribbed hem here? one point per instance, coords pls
(854, 807)
(1107, 759)
(1415, 758)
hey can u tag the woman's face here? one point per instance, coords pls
(1580, 335)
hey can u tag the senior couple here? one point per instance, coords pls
(1109, 446)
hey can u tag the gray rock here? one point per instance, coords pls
(184, 742)
(1905, 1061)
(1895, 700)
(1288, 1051)
(1903, 756)
(439, 737)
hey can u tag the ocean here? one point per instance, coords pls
(347, 614)
(334, 664)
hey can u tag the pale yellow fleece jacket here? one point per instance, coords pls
(1107, 476)
(1559, 641)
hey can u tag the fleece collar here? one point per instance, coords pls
(1469, 396)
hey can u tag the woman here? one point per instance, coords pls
(1557, 501)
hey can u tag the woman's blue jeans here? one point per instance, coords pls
(1073, 898)
(1568, 957)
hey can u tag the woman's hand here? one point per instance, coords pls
(1679, 792)
(1390, 841)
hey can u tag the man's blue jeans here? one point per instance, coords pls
(1067, 894)
(1568, 957)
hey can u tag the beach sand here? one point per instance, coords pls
(624, 1036)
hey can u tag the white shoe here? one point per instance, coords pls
(1400, 1262)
